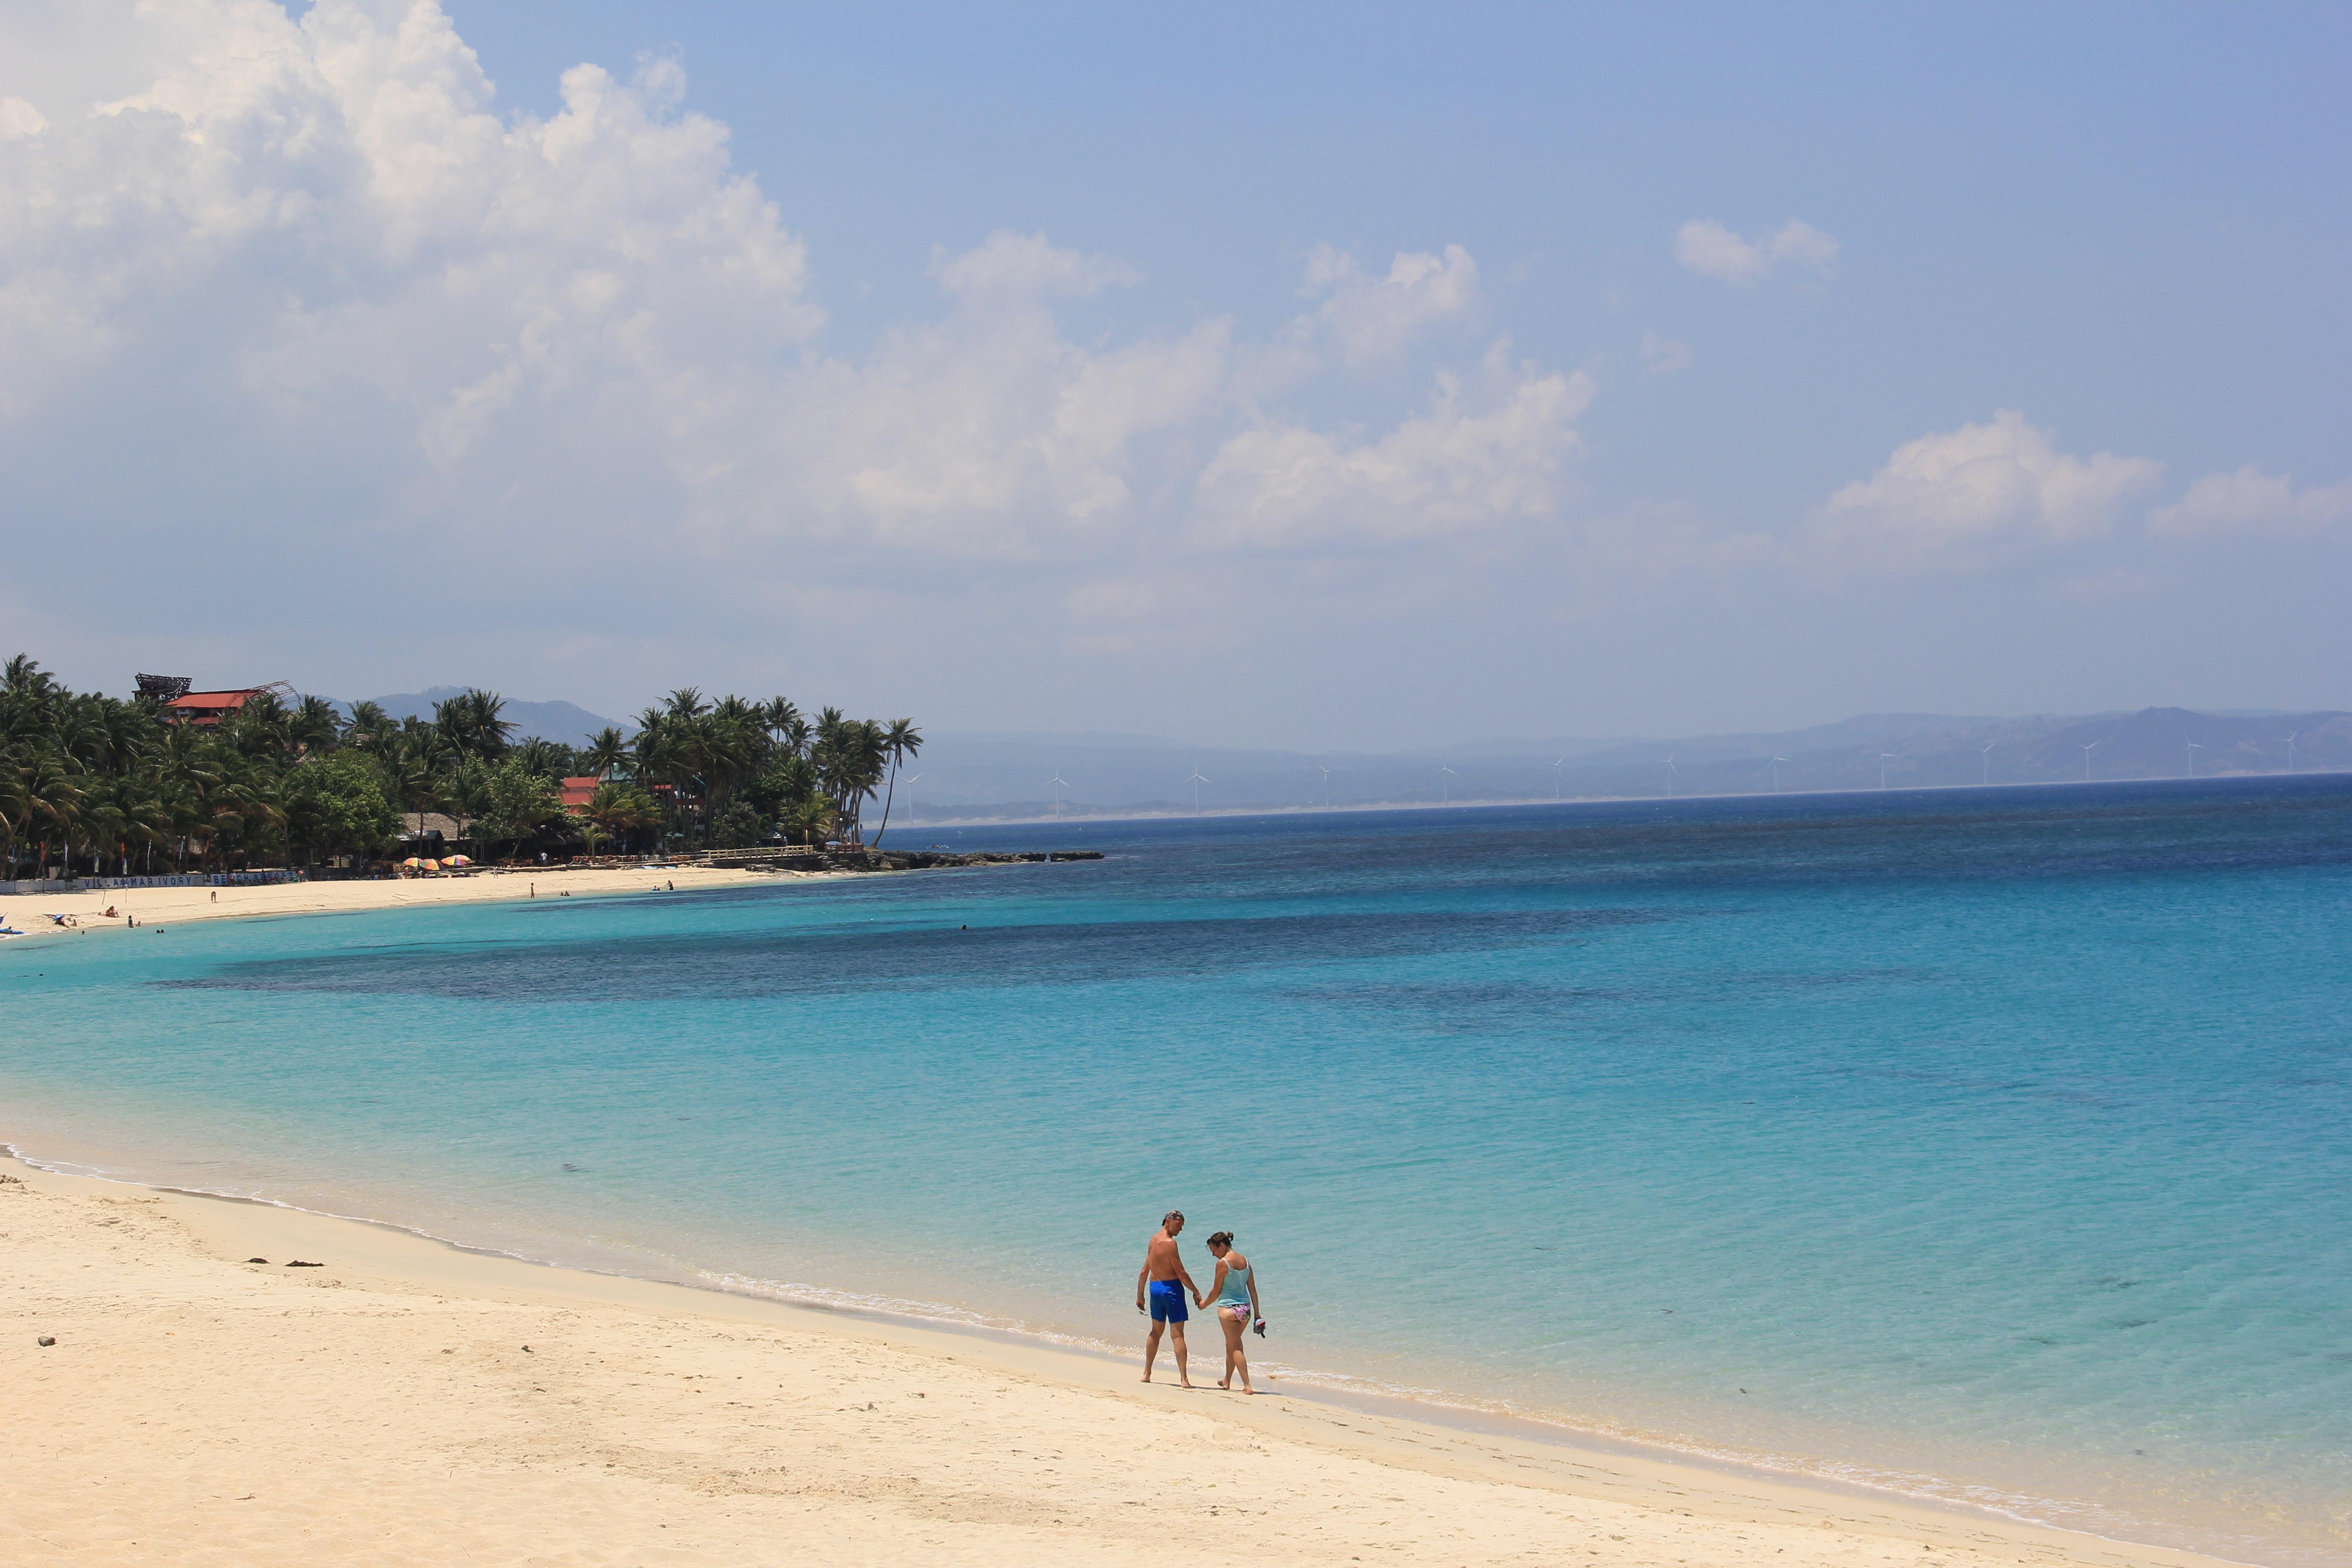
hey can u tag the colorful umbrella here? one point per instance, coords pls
(458, 860)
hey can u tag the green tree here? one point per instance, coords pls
(415, 779)
(516, 803)
(741, 827)
(338, 804)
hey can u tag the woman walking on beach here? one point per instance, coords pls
(1234, 1293)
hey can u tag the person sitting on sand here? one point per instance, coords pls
(1234, 1294)
(1164, 1278)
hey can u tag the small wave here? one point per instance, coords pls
(2085, 1518)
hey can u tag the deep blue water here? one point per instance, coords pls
(1994, 1143)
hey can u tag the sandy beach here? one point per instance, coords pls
(165, 907)
(409, 1403)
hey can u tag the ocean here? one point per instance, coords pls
(1993, 1145)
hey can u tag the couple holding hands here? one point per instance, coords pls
(1166, 1284)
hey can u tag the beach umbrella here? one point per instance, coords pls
(429, 865)
(458, 860)
(412, 864)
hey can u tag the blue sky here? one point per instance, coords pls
(1345, 376)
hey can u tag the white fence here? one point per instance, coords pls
(110, 884)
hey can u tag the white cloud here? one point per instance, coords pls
(1664, 356)
(1489, 451)
(1373, 318)
(1972, 499)
(336, 314)
(2252, 502)
(1027, 264)
(333, 200)
(986, 433)
(1711, 250)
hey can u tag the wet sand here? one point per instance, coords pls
(409, 1403)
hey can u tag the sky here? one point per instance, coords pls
(1307, 377)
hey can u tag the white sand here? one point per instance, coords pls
(165, 907)
(197, 1408)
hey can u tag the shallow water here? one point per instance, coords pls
(1990, 1143)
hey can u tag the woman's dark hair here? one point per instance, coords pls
(1222, 1238)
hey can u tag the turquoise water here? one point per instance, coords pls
(1994, 1144)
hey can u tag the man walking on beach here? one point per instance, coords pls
(1163, 1277)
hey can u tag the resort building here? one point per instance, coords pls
(207, 708)
(578, 792)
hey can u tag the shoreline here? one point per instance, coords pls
(1344, 1391)
(1468, 1488)
(163, 908)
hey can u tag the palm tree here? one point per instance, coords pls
(607, 752)
(658, 755)
(729, 744)
(48, 790)
(781, 719)
(147, 820)
(849, 758)
(621, 809)
(472, 723)
(899, 742)
(313, 726)
(491, 730)
(809, 817)
(371, 727)
(106, 779)
(549, 758)
(417, 785)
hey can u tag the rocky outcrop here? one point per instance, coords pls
(800, 857)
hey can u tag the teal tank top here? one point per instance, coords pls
(1237, 1288)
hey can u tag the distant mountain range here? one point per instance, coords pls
(1009, 777)
(562, 722)
(964, 777)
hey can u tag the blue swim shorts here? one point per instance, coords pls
(1168, 1301)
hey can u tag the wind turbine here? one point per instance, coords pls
(1446, 783)
(1554, 774)
(2086, 757)
(1196, 781)
(1059, 783)
(2193, 749)
(2290, 751)
(1984, 762)
(1775, 774)
(1327, 784)
(1884, 757)
(1670, 778)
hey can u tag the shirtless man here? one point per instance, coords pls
(1163, 1277)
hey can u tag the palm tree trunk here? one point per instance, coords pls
(889, 793)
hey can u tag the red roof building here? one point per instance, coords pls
(208, 708)
(577, 793)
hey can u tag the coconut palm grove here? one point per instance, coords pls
(99, 786)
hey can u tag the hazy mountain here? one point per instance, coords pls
(565, 722)
(1009, 775)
